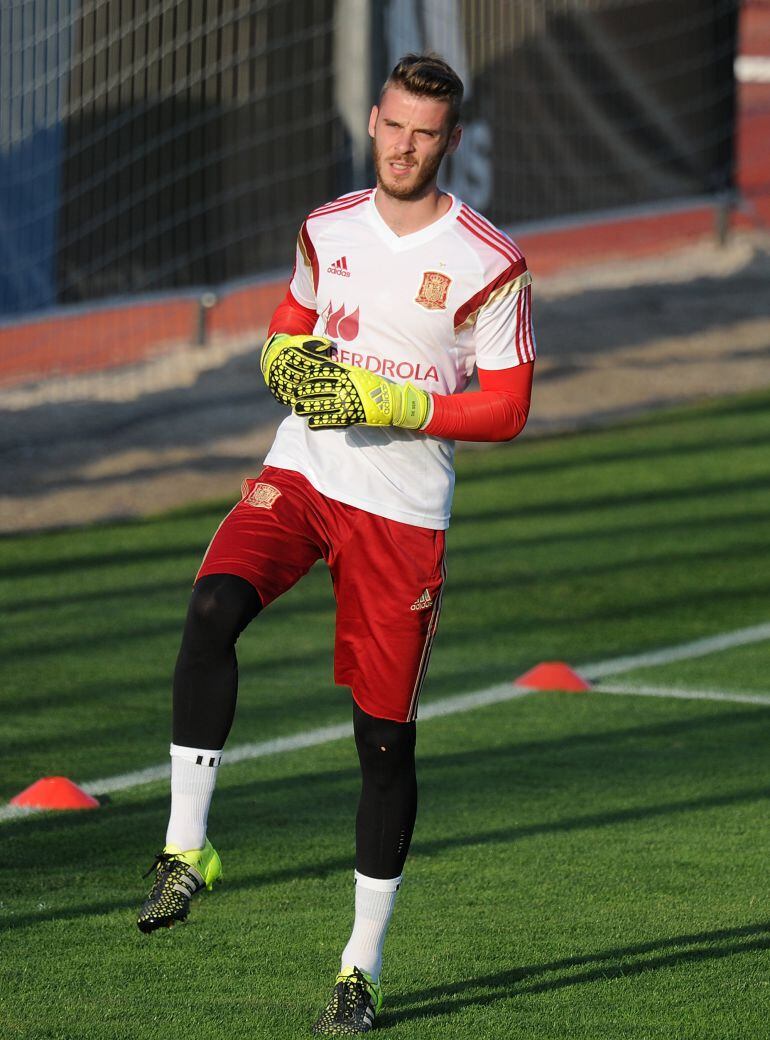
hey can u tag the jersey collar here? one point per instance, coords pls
(399, 243)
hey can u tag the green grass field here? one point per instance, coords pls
(584, 866)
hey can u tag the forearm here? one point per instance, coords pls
(497, 412)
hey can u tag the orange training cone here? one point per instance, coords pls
(54, 792)
(553, 675)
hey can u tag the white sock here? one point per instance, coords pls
(375, 899)
(193, 778)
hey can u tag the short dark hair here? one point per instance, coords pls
(428, 75)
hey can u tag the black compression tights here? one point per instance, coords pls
(206, 674)
(205, 692)
(388, 805)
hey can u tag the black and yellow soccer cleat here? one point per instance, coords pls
(178, 876)
(355, 1002)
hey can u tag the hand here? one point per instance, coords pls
(343, 395)
(287, 360)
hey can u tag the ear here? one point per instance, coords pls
(373, 119)
(454, 140)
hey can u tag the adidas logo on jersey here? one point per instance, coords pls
(423, 601)
(339, 267)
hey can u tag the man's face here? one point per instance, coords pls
(410, 136)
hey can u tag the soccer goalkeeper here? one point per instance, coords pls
(398, 292)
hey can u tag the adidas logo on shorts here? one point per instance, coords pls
(422, 602)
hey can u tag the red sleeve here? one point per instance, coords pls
(497, 412)
(291, 317)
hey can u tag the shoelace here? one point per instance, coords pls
(161, 859)
(355, 991)
(167, 864)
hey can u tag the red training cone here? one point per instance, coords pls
(54, 792)
(553, 675)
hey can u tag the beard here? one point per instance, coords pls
(426, 177)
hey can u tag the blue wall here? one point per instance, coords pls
(29, 202)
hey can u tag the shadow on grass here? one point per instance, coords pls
(619, 962)
(670, 527)
(133, 825)
(118, 635)
(529, 466)
(75, 563)
(483, 547)
(573, 505)
(622, 498)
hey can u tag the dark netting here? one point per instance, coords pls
(600, 105)
(154, 146)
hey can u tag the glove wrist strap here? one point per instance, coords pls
(414, 406)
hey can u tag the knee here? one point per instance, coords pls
(221, 605)
(385, 748)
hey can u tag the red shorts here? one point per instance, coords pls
(387, 578)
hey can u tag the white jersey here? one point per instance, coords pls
(421, 308)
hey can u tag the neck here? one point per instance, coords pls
(405, 216)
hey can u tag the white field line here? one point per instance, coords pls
(438, 709)
(683, 652)
(683, 693)
(307, 738)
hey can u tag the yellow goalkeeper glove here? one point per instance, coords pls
(343, 395)
(287, 360)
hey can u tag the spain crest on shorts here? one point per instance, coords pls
(433, 291)
(259, 495)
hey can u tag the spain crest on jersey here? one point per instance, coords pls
(433, 291)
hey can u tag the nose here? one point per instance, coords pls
(405, 142)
